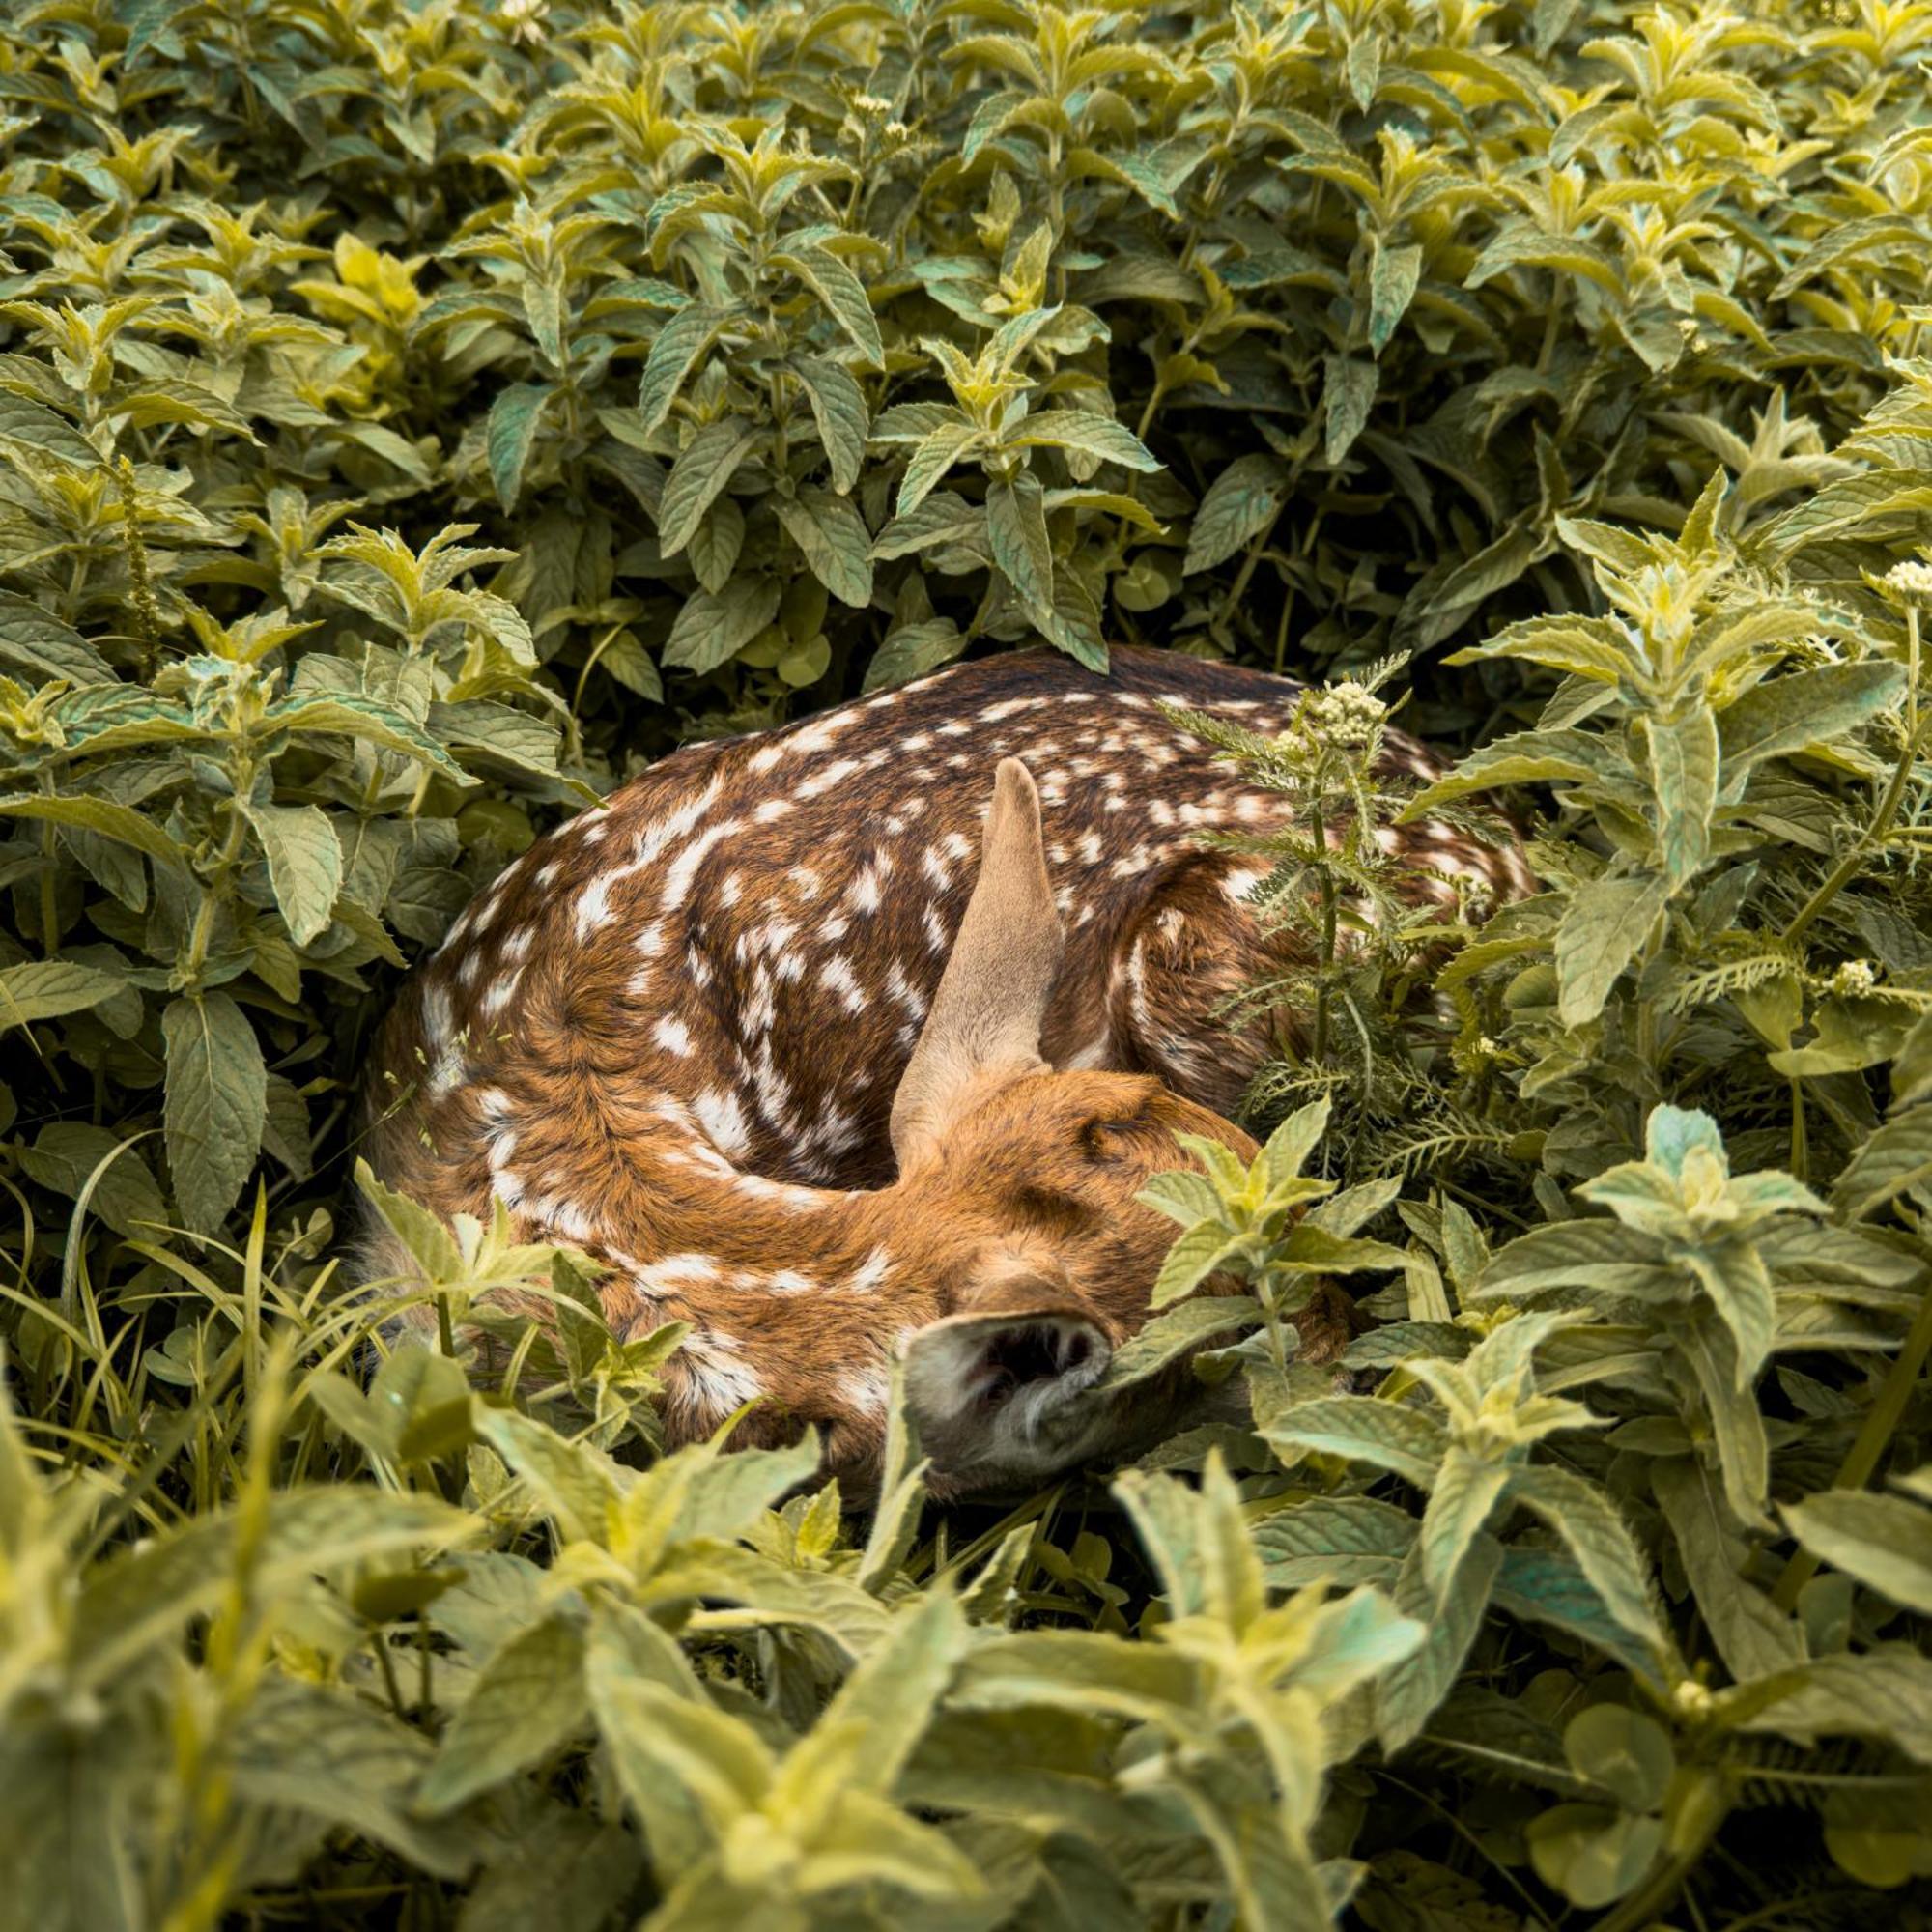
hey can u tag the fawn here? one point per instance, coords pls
(815, 1049)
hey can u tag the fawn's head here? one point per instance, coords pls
(1023, 1181)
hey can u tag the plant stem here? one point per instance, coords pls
(1648, 1902)
(1836, 879)
(215, 894)
(1319, 1045)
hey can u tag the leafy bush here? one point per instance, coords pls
(417, 417)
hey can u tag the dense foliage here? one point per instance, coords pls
(415, 417)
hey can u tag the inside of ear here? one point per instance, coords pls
(1000, 1391)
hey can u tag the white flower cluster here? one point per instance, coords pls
(1853, 978)
(1912, 581)
(1343, 715)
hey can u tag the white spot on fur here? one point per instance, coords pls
(499, 995)
(722, 1116)
(683, 870)
(673, 1036)
(870, 1274)
(674, 1272)
(571, 1222)
(717, 1378)
(836, 973)
(864, 1391)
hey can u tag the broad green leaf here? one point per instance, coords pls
(217, 1100)
(140, 1598)
(568, 1872)
(1520, 245)
(529, 1701)
(1605, 925)
(1752, 1636)
(101, 816)
(1166, 1337)
(1348, 395)
(1240, 502)
(25, 424)
(1592, 1853)
(1622, 1750)
(680, 1764)
(1911, 1068)
(67, 1154)
(842, 295)
(870, 1730)
(675, 350)
(1735, 1422)
(1392, 284)
(834, 540)
(699, 475)
(572, 1481)
(1884, 1542)
(1085, 434)
(516, 417)
(894, 1525)
(712, 629)
(931, 460)
(1016, 529)
(1797, 709)
(1364, 1429)
(1684, 778)
(344, 1762)
(305, 864)
(1409, 1695)
(1198, 1253)
(1082, 1672)
(68, 1833)
(839, 409)
(1465, 1492)
(1338, 1540)
(34, 639)
(717, 543)
(1545, 1586)
(351, 716)
(1895, 1158)
(43, 989)
(1584, 1516)
(941, 518)
(1884, 1693)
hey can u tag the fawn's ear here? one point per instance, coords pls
(992, 1004)
(995, 1396)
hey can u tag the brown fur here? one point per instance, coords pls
(673, 1032)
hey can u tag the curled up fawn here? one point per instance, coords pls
(871, 1027)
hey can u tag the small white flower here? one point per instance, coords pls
(1912, 581)
(1345, 714)
(1854, 977)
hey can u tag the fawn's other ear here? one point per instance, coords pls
(995, 1396)
(992, 1004)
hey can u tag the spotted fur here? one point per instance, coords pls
(672, 1032)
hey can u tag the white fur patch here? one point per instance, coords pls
(722, 1116)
